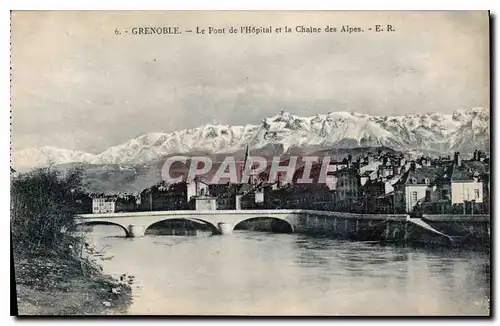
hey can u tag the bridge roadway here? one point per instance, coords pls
(135, 224)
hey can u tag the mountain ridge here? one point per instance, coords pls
(463, 131)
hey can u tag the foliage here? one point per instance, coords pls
(43, 203)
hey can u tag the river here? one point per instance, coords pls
(261, 273)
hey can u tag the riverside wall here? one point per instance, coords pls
(442, 229)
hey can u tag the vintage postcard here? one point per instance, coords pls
(259, 163)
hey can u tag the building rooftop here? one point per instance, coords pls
(461, 173)
(477, 166)
(421, 176)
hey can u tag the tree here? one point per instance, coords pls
(43, 203)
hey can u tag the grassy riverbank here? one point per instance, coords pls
(54, 271)
(58, 283)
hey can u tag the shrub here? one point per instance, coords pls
(43, 203)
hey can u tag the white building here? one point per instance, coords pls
(205, 203)
(464, 184)
(103, 205)
(438, 187)
(465, 187)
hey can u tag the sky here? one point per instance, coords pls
(75, 84)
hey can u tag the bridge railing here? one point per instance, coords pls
(257, 212)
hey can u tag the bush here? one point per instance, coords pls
(43, 203)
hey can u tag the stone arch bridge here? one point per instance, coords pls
(223, 221)
(302, 221)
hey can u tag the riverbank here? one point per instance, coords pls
(55, 283)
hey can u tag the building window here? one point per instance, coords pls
(427, 195)
(414, 196)
(413, 180)
(476, 193)
(444, 194)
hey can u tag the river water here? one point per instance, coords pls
(291, 274)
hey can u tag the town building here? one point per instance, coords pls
(379, 195)
(466, 183)
(197, 187)
(225, 195)
(415, 186)
(350, 180)
(164, 197)
(103, 205)
(442, 187)
(315, 173)
(113, 203)
(205, 202)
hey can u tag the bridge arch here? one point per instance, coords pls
(74, 226)
(182, 218)
(276, 224)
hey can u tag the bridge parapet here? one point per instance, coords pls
(252, 212)
(221, 220)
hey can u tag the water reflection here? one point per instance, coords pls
(275, 274)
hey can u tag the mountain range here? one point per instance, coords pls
(463, 131)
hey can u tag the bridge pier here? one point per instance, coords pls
(136, 231)
(225, 228)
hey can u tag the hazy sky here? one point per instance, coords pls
(77, 85)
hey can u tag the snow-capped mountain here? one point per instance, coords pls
(464, 130)
(474, 130)
(434, 131)
(47, 155)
